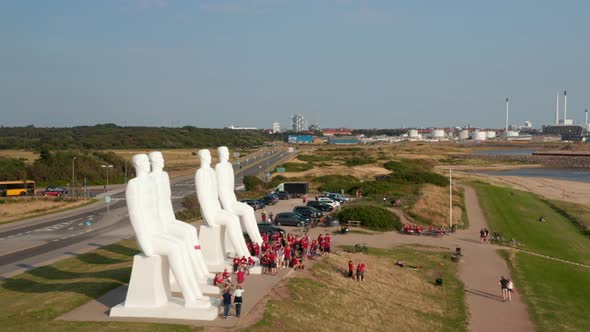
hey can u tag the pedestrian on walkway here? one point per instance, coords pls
(510, 288)
(226, 302)
(487, 235)
(482, 236)
(503, 283)
(238, 300)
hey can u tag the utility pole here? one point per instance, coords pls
(451, 197)
(73, 175)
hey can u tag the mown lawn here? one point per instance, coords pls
(389, 299)
(33, 300)
(557, 294)
(515, 214)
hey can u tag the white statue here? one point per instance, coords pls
(225, 185)
(211, 211)
(153, 240)
(185, 233)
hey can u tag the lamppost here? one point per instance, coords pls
(125, 171)
(107, 167)
(73, 174)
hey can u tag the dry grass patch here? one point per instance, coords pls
(433, 206)
(27, 156)
(22, 208)
(360, 172)
(390, 298)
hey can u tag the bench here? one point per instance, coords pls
(356, 223)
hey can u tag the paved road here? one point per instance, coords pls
(29, 244)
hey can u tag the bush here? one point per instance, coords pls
(297, 167)
(252, 183)
(415, 172)
(276, 180)
(372, 217)
(357, 161)
(335, 183)
(312, 158)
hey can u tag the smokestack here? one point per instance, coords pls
(507, 110)
(586, 116)
(564, 107)
(557, 111)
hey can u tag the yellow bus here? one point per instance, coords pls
(17, 188)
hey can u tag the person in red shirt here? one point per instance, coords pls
(272, 263)
(327, 240)
(218, 279)
(236, 263)
(321, 242)
(360, 271)
(256, 250)
(241, 277)
(287, 256)
(225, 275)
(351, 269)
(295, 263)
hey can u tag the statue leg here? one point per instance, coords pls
(232, 224)
(188, 235)
(246, 213)
(179, 261)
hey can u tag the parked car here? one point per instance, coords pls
(291, 219)
(320, 206)
(254, 203)
(308, 211)
(55, 191)
(265, 228)
(329, 201)
(269, 200)
(283, 195)
(337, 197)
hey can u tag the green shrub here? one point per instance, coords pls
(335, 183)
(297, 167)
(252, 183)
(310, 158)
(357, 161)
(415, 172)
(372, 217)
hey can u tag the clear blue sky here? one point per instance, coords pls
(347, 63)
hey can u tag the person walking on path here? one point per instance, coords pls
(226, 302)
(503, 282)
(510, 288)
(482, 236)
(238, 300)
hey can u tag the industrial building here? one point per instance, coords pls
(300, 139)
(298, 123)
(344, 140)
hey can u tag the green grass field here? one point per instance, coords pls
(515, 215)
(33, 301)
(557, 293)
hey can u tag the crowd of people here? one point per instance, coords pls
(413, 229)
(360, 270)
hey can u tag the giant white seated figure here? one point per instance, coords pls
(211, 211)
(149, 289)
(227, 197)
(185, 233)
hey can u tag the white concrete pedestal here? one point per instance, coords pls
(149, 294)
(210, 238)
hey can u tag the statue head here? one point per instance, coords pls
(156, 160)
(223, 153)
(141, 163)
(205, 157)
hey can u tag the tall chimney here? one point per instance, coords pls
(557, 111)
(564, 107)
(586, 116)
(507, 110)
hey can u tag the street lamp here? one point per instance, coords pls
(73, 174)
(107, 167)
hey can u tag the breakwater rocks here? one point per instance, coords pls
(546, 160)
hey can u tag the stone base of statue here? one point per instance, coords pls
(149, 294)
(210, 238)
(228, 247)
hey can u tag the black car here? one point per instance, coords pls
(283, 195)
(254, 203)
(291, 219)
(320, 206)
(308, 211)
(269, 229)
(269, 200)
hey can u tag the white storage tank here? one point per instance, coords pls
(413, 133)
(490, 134)
(464, 134)
(478, 135)
(438, 133)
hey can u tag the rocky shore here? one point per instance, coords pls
(547, 160)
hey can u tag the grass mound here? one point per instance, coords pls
(389, 298)
(357, 161)
(297, 167)
(414, 171)
(372, 217)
